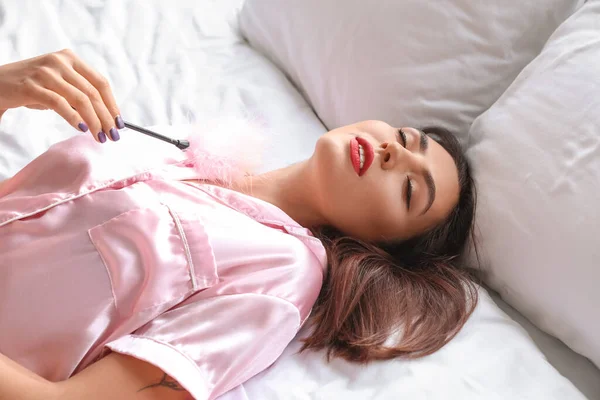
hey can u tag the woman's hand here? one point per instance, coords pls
(64, 83)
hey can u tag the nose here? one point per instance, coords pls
(395, 156)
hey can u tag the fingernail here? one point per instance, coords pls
(119, 122)
(83, 127)
(114, 134)
(102, 137)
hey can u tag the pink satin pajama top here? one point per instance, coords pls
(109, 248)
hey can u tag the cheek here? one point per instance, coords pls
(346, 207)
(370, 211)
(385, 209)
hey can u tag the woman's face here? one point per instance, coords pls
(380, 183)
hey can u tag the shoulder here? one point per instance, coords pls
(302, 276)
(275, 264)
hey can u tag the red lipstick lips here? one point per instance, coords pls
(355, 155)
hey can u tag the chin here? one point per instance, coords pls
(332, 163)
(331, 155)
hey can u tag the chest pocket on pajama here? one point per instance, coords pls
(155, 258)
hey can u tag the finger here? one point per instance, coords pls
(81, 103)
(106, 119)
(103, 86)
(49, 99)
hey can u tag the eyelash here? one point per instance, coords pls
(402, 138)
(409, 185)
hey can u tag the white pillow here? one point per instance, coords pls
(409, 62)
(536, 157)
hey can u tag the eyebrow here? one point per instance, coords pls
(431, 189)
(423, 146)
(423, 142)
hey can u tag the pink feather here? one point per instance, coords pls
(225, 150)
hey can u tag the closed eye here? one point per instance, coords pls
(402, 138)
(409, 189)
(409, 186)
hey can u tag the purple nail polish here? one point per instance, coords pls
(119, 122)
(102, 137)
(83, 127)
(114, 134)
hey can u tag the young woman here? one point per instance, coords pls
(172, 275)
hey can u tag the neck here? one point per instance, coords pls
(291, 189)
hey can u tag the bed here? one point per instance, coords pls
(181, 63)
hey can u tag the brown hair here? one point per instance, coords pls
(402, 299)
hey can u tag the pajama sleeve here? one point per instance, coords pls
(211, 345)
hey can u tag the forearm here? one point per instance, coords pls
(18, 382)
(115, 377)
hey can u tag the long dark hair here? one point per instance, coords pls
(399, 299)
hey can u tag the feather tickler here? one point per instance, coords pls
(226, 149)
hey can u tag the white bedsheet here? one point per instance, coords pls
(183, 62)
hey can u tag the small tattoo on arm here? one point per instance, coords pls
(167, 382)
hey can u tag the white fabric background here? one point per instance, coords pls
(176, 63)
